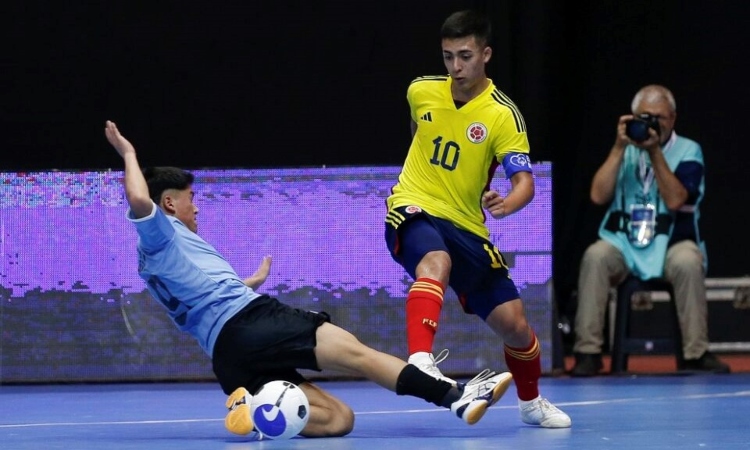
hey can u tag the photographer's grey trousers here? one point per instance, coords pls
(603, 267)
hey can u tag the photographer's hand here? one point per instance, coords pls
(622, 139)
(652, 145)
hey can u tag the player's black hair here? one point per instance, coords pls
(159, 179)
(467, 23)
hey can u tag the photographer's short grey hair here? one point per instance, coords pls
(652, 94)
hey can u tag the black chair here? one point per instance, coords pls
(625, 344)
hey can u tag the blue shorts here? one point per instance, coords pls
(479, 274)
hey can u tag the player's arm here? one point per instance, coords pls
(136, 189)
(517, 166)
(259, 277)
(520, 195)
(521, 192)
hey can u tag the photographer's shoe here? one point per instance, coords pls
(708, 362)
(587, 365)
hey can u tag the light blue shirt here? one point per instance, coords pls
(631, 189)
(197, 286)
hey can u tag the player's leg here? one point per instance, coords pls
(339, 350)
(416, 244)
(523, 357)
(424, 304)
(268, 341)
(329, 416)
(495, 299)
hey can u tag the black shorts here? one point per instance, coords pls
(266, 341)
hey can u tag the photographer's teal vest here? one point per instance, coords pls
(648, 262)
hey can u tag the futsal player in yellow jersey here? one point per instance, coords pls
(464, 128)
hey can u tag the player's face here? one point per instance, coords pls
(465, 60)
(180, 203)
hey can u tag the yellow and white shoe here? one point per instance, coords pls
(238, 420)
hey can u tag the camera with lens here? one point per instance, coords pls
(637, 128)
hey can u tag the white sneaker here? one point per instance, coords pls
(543, 413)
(479, 394)
(428, 364)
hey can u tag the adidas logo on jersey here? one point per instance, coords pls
(427, 117)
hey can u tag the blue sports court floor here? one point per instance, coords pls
(639, 412)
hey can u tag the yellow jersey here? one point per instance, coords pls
(455, 151)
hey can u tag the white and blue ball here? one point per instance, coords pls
(280, 410)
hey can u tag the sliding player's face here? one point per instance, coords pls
(465, 60)
(180, 204)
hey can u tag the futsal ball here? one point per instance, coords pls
(280, 410)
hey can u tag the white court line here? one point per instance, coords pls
(586, 403)
(366, 413)
(127, 422)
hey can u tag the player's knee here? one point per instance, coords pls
(342, 420)
(519, 334)
(346, 424)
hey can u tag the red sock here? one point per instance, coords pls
(423, 305)
(526, 367)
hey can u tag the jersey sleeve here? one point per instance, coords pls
(411, 98)
(511, 135)
(154, 230)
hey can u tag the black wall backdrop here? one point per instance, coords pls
(301, 83)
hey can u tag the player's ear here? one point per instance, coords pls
(487, 54)
(167, 203)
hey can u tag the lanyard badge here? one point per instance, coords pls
(642, 226)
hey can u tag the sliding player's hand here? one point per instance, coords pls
(122, 145)
(259, 277)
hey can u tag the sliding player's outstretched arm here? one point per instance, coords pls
(136, 189)
(259, 277)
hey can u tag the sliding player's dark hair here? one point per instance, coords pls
(159, 179)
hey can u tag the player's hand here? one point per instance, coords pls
(122, 145)
(259, 277)
(494, 204)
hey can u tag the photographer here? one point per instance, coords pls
(653, 180)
